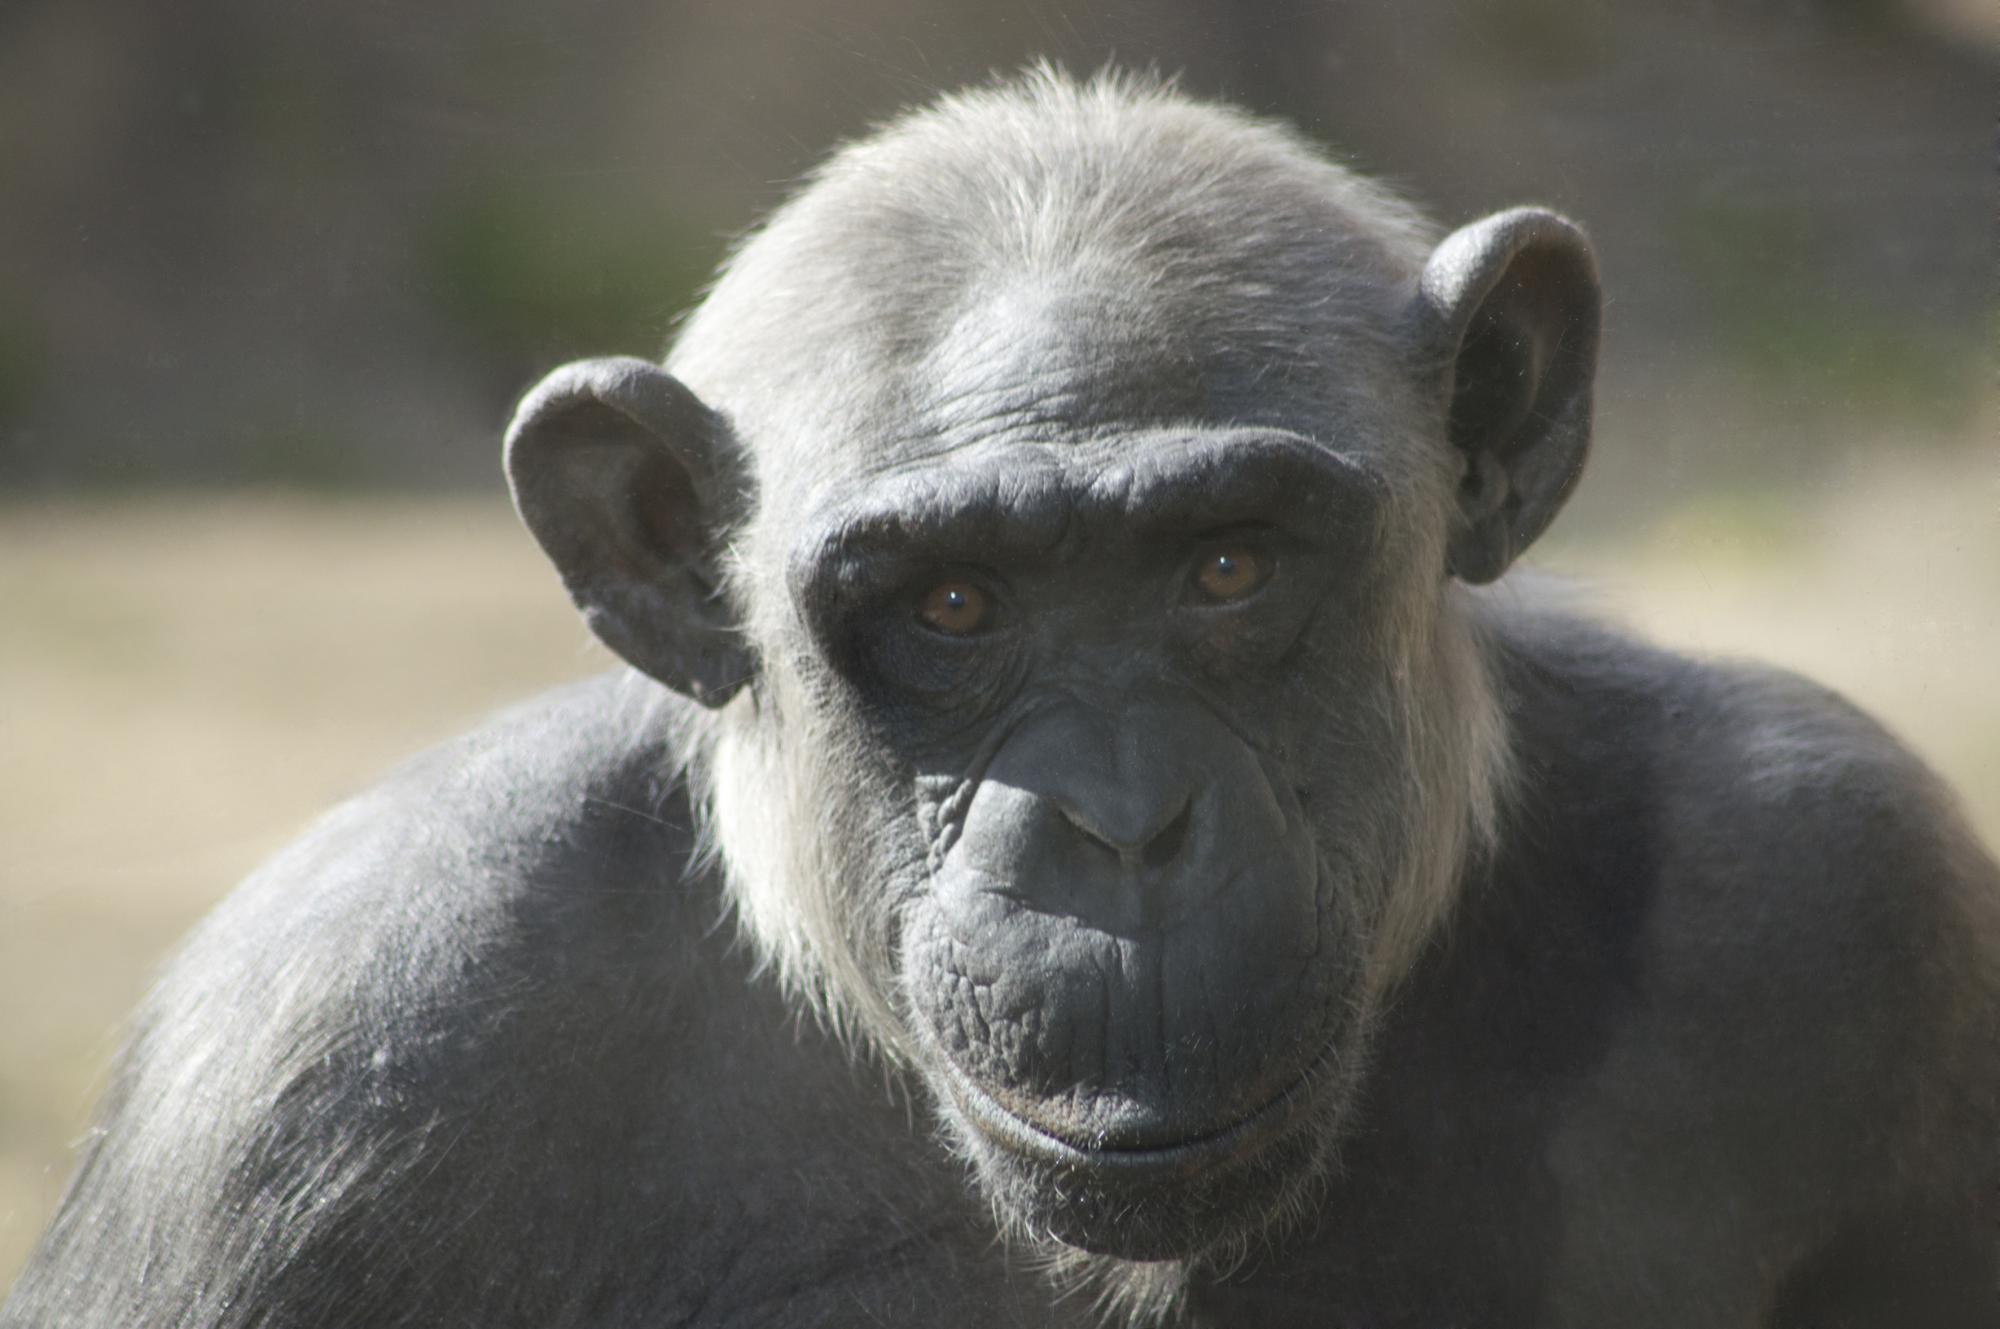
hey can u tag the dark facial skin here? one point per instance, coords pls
(1119, 862)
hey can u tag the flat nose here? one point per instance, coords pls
(1083, 802)
(1116, 781)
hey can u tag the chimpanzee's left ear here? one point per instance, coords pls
(1510, 303)
(629, 482)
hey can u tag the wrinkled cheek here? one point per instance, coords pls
(992, 1009)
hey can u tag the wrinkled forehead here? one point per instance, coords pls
(1027, 500)
(1095, 364)
(1056, 357)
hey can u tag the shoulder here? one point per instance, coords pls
(492, 870)
(549, 835)
(1822, 876)
(1772, 781)
(438, 1000)
(1811, 920)
(1736, 766)
(1788, 913)
(1769, 846)
(559, 817)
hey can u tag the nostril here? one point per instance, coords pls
(1165, 847)
(1154, 843)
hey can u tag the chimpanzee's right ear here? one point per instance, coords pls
(627, 479)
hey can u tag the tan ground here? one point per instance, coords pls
(187, 682)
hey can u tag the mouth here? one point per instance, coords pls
(1157, 1197)
(1180, 1160)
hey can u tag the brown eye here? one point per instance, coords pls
(955, 608)
(1229, 572)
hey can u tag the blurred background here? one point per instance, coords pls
(275, 272)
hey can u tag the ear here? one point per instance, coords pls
(627, 480)
(1512, 304)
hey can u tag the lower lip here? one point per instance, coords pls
(1187, 1159)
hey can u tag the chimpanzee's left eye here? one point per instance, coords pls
(1229, 572)
(955, 608)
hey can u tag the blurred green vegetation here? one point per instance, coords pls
(1537, 39)
(1792, 330)
(329, 245)
(292, 115)
(532, 274)
(302, 453)
(24, 356)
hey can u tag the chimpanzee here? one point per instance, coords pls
(1077, 844)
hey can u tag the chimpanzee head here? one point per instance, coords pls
(1061, 507)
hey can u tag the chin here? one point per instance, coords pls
(1175, 1199)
